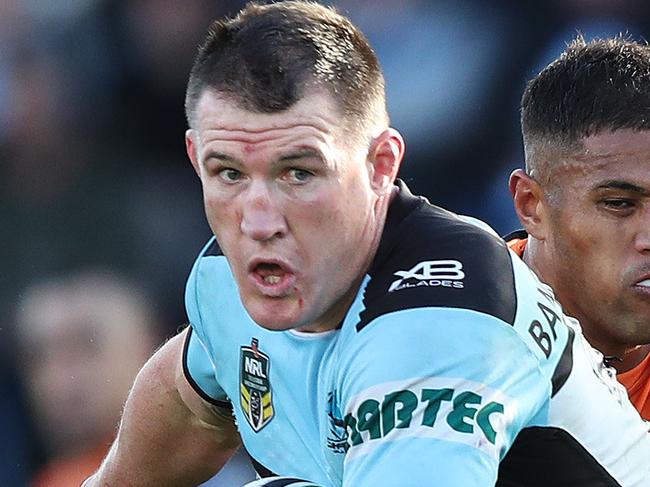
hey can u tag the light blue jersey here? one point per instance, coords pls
(454, 366)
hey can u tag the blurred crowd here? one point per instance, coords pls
(101, 214)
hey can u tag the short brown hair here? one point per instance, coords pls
(264, 59)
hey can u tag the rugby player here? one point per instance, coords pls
(584, 199)
(352, 328)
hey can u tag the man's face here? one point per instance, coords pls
(72, 337)
(291, 203)
(599, 238)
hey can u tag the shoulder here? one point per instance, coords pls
(446, 291)
(432, 259)
(435, 258)
(209, 257)
(447, 374)
(210, 276)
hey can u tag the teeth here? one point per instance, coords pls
(645, 283)
(272, 279)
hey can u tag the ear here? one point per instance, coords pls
(385, 156)
(192, 149)
(529, 202)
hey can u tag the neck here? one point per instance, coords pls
(531, 258)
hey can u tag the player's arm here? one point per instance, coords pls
(168, 435)
(435, 397)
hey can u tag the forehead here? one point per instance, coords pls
(619, 155)
(620, 144)
(217, 115)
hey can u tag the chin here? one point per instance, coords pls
(275, 314)
(273, 319)
(276, 325)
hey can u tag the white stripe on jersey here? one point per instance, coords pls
(477, 426)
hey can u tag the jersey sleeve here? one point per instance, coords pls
(436, 396)
(198, 364)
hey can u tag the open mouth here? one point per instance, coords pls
(270, 273)
(272, 277)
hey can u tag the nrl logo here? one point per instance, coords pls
(254, 388)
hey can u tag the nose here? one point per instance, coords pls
(642, 237)
(262, 215)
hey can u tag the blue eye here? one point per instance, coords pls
(299, 175)
(230, 175)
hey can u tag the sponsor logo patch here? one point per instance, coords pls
(255, 395)
(433, 273)
(454, 410)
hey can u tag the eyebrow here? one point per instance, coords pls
(292, 156)
(623, 185)
(301, 154)
(219, 157)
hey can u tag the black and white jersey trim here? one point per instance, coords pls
(484, 279)
(226, 405)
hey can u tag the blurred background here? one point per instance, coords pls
(101, 214)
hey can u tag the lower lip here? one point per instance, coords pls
(277, 290)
